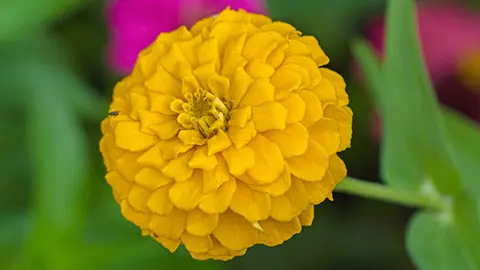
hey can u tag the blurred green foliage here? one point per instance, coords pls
(425, 149)
(57, 212)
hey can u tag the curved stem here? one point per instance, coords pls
(389, 194)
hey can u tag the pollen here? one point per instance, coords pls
(205, 113)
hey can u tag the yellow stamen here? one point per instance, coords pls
(206, 112)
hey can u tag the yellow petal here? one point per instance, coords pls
(167, 130)
(153, 157)
(225, 31)
(313, 108)
(279, 27)
(219, 86)
(259, 69)
(296, 108)
(295, 47)
(129, 137)
(218, 201)
(161, 103)
(338, 83)
(343, 116)
(161, 81)
(240, 83)
(170, 226)
(196, 244)
(128, 166)
(151, 178)
(188, 49)
(200, 223)
(277, 188)
(179, 34)
(306, 218)
(197, 28)
(159, 202)
(138, 198)
(140, 219)
(189, 85)
(175, 63)
(207, 52)
(260, 92)
(251, 204)
(316, 191)
(203, 73)
(191, 137)
(178, 168)
(239, 117)
(218, 143)
(260, 45)
(235, 232)
(231, 63)
(106, 144)
(269, 163)
(277, 56)
(285, 81)
(310, 166)
(169, 244)
(173, 148)
(214, 178)
(239, 160)
(318, 54)
(139, 102)
(336, 172)
(309, 65)
(148, 119)
(235, 46)
(325, 91)
(326, 133)
(290, 204)
(276, 232)
(270, 115)
(187, 194)
(118, 184)
(292, 141)
(200, 160)
(241, 136)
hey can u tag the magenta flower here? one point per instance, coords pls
(450, 39)
(134, 24)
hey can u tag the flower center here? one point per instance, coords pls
(204, 112)
(468, 69)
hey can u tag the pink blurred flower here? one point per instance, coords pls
(450, 39)
(134, 24)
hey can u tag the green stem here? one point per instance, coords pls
(384, 193)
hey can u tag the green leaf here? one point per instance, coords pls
(416, 148)
(466, 211)
(372, 71)
(434, 243)
(465, 136)
(19, 18)
(58, 149)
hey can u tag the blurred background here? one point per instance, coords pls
(59, 61)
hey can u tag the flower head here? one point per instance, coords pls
(227, 135)
(134, 24)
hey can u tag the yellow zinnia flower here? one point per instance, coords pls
(226, 135)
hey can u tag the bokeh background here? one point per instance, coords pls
(57, 211)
